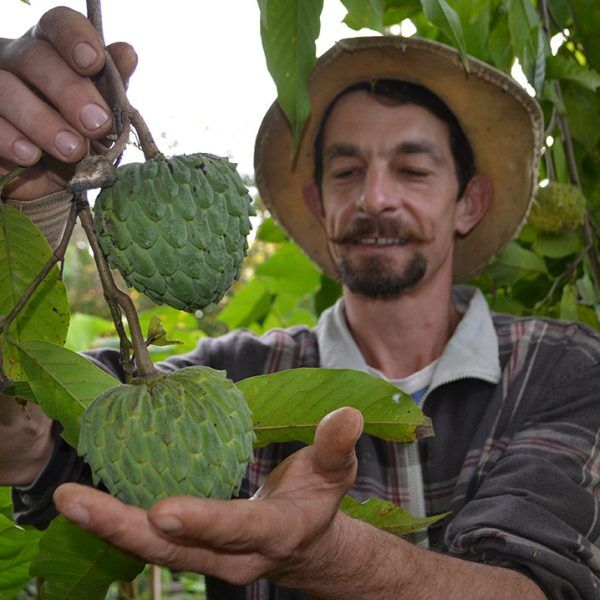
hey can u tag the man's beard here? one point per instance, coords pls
(374, 276)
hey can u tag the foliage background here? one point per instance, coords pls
(553, 275)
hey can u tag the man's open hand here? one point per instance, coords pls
(283, 532)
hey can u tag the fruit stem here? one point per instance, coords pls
(115, 296)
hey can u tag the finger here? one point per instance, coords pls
(125, 59)
(120, 524)
(74, 37)
(336, 435)
(15, 147)
(37, 122)
(230, 525)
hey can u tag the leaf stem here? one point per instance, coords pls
(117, 299)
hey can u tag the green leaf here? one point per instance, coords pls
(586, 15)
(288, 405)
(22, 390)
(328, 294)
(75, 564)
(364, 13)
(442, 15)
(269, 231)
(23, 253)
(6, 507)
(63, 382)
(18, 546)
(290, 270)
(395, 11)
(288, 39)
(513, 263)
(558, 245)
(499, 46)
(157, 334)
(522, 20)
(249, 304)
(387, 516)
(583, 109)
(85, 329)
(568, 69)
(568, 303)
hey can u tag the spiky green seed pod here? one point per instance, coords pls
(176, 228)
(185, 433)
(557, 207)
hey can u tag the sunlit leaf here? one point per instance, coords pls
(442, 15)
(513, 263)
(568, 303)
(63, 382)
(18, 546)
(364, 13)
(387, 516)
(568, 69)
(558, 245)
(288, 34)
(288, 405)
(23, 253)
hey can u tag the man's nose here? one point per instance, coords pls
(377, 194)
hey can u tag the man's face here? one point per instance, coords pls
(389, 193)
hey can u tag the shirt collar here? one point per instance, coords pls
(471, 352)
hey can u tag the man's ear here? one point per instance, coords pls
(474, 203)
(313, 200)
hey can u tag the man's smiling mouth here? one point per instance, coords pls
(382, 241)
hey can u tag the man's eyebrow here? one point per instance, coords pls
(336, 150)
(419, 147)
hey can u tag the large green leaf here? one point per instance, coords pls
(288, 34)
(23, 253)
(568, 69)
(75, 564)
(364, 13)
(583, 110)
(387, 516)
(85, 329)
(289, 270)
(558, 245)
(18, 546)
(5, 502)
(288, 405)
(587, 22)
(251, 303)
(513, 263)
(522, 20)
(395, 11)
(442, 15)
(63, 382)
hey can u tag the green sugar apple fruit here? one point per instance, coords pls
(557, 207)
(184, 433)
(176, 228)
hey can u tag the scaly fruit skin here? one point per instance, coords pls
(185, 433)
(176, 228)
(557, 207)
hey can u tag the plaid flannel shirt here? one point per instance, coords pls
(517, 463)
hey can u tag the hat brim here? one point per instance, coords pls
(502, 122)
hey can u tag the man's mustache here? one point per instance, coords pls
(365, 226)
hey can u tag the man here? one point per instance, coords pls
(397, 206)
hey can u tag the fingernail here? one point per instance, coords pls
(76, 513)
(84, 55)
(93, 116)
(66, 143)
(25, 150)
(168, 523)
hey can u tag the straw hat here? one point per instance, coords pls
(503, 124)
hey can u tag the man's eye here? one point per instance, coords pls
(417, 173)
(345, 173)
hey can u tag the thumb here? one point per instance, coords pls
(336, 435)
